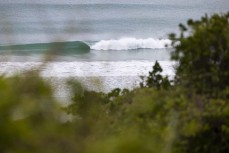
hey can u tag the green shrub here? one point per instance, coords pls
(155, 79)
(202, 51)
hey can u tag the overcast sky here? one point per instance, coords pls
(115, 1)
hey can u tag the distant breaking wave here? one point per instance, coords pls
(131, 43)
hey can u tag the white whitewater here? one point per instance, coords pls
(131, 43)
(99, 76)
(87, 69)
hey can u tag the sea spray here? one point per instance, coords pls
(131, 43)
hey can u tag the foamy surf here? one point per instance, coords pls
(131, 43)
(97, 75)
(87, 69)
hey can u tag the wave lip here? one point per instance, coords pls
(131, 43)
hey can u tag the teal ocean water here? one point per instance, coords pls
(125, 36)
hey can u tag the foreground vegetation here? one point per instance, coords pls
(189, 114)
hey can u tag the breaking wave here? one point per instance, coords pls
(131, 43)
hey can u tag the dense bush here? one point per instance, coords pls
(202, 50)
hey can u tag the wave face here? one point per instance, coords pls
(73, 47)
(131, 43)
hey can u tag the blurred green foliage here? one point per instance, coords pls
(189, 116)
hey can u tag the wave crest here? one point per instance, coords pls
(131, 43)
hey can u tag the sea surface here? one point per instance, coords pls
(125, 37)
